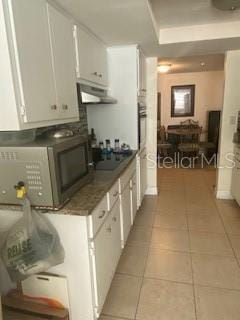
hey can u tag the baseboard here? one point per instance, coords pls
(225, 195)
(152, 191)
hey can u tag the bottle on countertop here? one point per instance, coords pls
(116, 145)
(108, 145)
(93, 139)
(101, 145)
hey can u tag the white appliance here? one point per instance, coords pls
(51, 169)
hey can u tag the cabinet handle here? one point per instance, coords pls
(102, 215)
(115, 194)
(114, 219)
(54, 107)
(100, 75)
(65, 106)
(95, 73)
(109, 229)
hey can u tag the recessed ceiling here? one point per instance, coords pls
(175, 13)
(196, 48)
(194, 64)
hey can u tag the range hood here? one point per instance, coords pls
(94, 95)
(229, 5)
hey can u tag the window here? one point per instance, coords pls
(182, 101)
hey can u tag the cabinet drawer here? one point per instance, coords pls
(126, 176)
(98, 216)
(113, 195)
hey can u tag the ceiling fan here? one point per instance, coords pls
(229, 5)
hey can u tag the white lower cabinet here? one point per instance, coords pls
(126, 214)
(134, 197)
(93, 245)
(105, 254)
(143, 174)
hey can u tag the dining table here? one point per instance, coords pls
(183, 132)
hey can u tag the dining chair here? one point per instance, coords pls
(191, 146)
(163, 145)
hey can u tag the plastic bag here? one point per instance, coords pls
(32, 245)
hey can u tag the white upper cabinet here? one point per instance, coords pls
(63, 52)
(31, 69)
(91, 58)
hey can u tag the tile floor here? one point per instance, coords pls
(182, 259)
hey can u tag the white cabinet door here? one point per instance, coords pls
(106, 253)
(126, 217)
(101, 57)
(143, 173)
(63, 52)
(32, 58)
(92, 64)
(134, 196)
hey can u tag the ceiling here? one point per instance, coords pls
(144, 22)
(175, 13)
(212, 62)
(116, 22)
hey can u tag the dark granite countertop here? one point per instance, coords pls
(88, 197)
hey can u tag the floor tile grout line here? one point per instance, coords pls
(215, 287)
(230, 242)
(193, 284)
(190, 252)
(169, 280)
(144, 269)
(114, 317)
(226, 233)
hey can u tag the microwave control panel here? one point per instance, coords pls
(33, 177)
(29, 165)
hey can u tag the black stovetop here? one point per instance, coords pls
(109, 162)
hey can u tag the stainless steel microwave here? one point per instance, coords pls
(52, 170)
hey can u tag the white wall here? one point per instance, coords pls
(151, 142)
(231, 106)
(208, 94)
(119, 120)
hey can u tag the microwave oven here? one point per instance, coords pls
(52, 170)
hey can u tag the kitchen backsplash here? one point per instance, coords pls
(80, 126)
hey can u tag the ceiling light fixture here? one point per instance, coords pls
(164, 68)
(228, 5)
